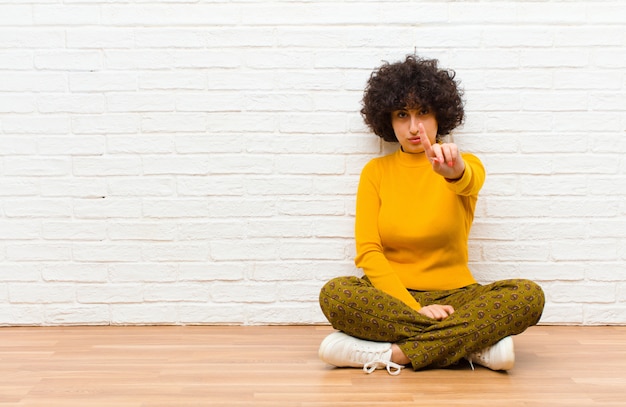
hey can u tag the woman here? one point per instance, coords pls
(418, 302)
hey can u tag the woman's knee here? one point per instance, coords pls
(335, 288)
(335, 294)
(534, 299)
(533, 292)
(338, 285)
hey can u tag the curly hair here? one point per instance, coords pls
(416, 82)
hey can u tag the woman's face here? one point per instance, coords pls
(405, 125)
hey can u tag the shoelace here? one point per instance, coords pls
(369, 367)
(478, 356)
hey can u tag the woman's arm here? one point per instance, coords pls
(369, 250)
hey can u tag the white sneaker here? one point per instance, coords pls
(500, 356)
(341, 350)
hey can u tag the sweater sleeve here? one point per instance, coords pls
(369, 250)
(472, 179)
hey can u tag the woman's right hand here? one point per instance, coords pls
(436, 311)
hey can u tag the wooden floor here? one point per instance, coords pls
(278, 366)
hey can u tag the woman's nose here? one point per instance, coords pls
(414, 126)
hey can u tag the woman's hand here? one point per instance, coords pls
(445, 158)
(436, 311)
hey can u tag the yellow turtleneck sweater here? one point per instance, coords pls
(412, 225)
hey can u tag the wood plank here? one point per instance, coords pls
(158, 366)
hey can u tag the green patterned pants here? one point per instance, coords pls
(484, 314)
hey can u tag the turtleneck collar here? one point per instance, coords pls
(412, 160)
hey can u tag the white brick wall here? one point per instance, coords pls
(195, 161)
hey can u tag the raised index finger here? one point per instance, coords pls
(428, 148)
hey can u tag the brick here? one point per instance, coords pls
(231, 122)
(604, 271)
(517, 251)
(98, 38)
(205, 230)
(76, 315)
(310, 164)
(587, 293)
(182, 165)
(41, 208)
(211, 313)
(178, 252)
(106, 165)
(562, 314)
(279, 228)
(245, 36)
(604, 314)
(107, 207)
(41, 294)
(136, 60)
(175, 292)
(45, 125)
(222, 271)
(19, 272)
(551, 229)
(17, 60)
(279, 185)
(299, 313)
(106, 252)
(139, 102)
(334, 227)
(170, 14)
(190, 80)
(311, 207)
(142, 314)
(80, 231)
(153, 232)
(172, 38)
(588, 78)
(142, 187)
(315, 249)
(30, 37)
(102, 81)
(173, 122)
(235, 207)
(553, 185)
(212, 186)
(298, 291)
(71, 103)
(105, 124)
(16, 15)
(119, 144)
(18, 315)
(240, 164)
(17, 103)
(74, 273)
(140, 273)
(247, 250)
(65, 15)
(553, 271)
(244, 293)
(175, 208)
(299, 270)
(68, 60)
(68, 145)
(589, 251)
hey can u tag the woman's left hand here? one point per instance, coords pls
(445, 158)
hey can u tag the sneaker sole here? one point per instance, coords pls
(328, 342)
(506, 349)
